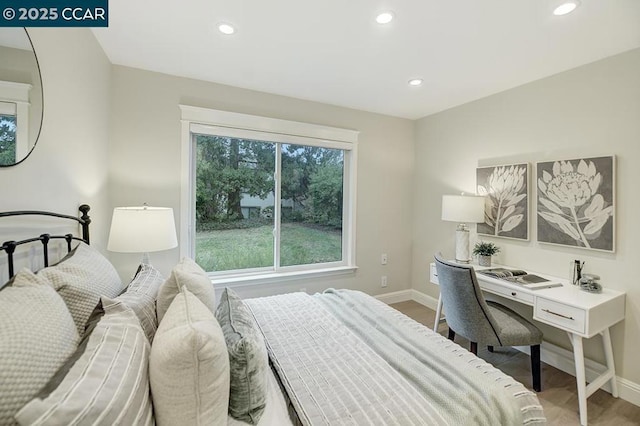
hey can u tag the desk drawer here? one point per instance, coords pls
(508, 293)
(560, 315)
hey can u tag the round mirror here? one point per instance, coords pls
(21, 102)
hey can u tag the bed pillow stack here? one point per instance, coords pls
(105, 381)
(189, 365)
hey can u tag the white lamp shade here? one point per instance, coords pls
(142, 229)
(463, 208)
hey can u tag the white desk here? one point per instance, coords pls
(580, 314)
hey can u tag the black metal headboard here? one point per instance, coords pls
(10, 246)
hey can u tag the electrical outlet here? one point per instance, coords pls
(383, 281)
(383, 258)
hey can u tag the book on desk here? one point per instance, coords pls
(520, 277)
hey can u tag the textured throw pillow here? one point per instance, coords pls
(81, 278)
(186, 273)
(248, 359)
(189, 366)
(37, 335)
(141, 297)
(106, 380)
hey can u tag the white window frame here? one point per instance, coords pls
(196, 120)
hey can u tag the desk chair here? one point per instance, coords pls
(488, 323)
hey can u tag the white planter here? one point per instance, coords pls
(484, 260)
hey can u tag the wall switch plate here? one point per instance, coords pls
(383, 281)
(383, 258)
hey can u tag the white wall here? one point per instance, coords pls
(593, 110)
(67, 167)
(145, 167)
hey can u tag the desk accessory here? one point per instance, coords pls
(523, 278)
(462, 209)
(589, 283)
(577, 272)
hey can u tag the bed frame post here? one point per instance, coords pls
(10, 247)
(86, 220)
(45, 247)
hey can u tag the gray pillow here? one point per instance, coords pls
(106, 380)
(141, 297)
(37, 335)
(248, 359)
(80, 279)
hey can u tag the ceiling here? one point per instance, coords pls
(333, 51)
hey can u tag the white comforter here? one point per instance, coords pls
(346, 358)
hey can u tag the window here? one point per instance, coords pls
(7, 133)
(266, 198)
(14, 122)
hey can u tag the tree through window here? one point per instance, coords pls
(248, 219)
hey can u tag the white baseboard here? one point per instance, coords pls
(424, 299)
(395, 297)
(551, 354)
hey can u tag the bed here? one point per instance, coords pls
(163, 351)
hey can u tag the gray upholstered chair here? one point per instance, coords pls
(487, 323)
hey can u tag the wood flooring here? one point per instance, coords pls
(558, 397)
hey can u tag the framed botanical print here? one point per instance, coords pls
(506, 211)
(576, 202)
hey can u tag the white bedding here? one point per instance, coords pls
(346, 358)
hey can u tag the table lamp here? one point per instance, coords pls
(142, 230)
(462, 209)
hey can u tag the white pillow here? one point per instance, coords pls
(81, 278)
(105, 382)
(189, 365)
(186, 273)
(37, 334)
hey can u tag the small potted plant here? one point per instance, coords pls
(484, 251)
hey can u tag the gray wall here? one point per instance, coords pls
(593, 110)
(145, 167)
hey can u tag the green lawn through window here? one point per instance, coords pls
(301, 244)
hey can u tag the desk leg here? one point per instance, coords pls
(581, 381)
(438, 314)
(608, 354)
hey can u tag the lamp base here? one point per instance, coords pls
(462, 245)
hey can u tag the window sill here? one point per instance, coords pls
(279, 277)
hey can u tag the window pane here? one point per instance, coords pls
(234, 203)
(7, 139)
(311, 188)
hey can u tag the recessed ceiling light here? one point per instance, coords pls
(566, 7)
(384, 17)
(415, 82)
(226, 29)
